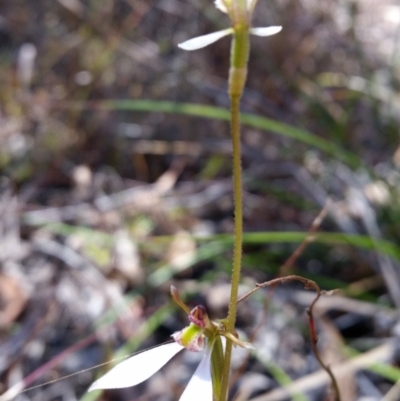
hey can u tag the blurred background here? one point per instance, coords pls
(115, 182)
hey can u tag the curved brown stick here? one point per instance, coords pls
(308, 285)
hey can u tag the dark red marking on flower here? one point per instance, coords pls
(198, 316)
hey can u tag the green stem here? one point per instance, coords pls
(237, 79)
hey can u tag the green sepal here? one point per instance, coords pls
(217, 363)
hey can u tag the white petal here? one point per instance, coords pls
(271, 30)
(203, 41)
(138, 368)
(251, 4)
(221, 5)
(200, 386)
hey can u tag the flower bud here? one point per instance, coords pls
(199, 316)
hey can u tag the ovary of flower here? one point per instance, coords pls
(140, 367)
(227, 6)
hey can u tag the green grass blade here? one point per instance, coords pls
(218, 113)
(265, 237)
(356, 240)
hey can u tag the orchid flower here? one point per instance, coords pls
(200, 336)
(240, 19)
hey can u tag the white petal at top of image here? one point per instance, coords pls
(205, 40)
(267, 31)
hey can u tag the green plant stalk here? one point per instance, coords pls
(237, 79)
(217, 362)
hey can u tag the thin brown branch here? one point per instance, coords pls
(308, 285)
